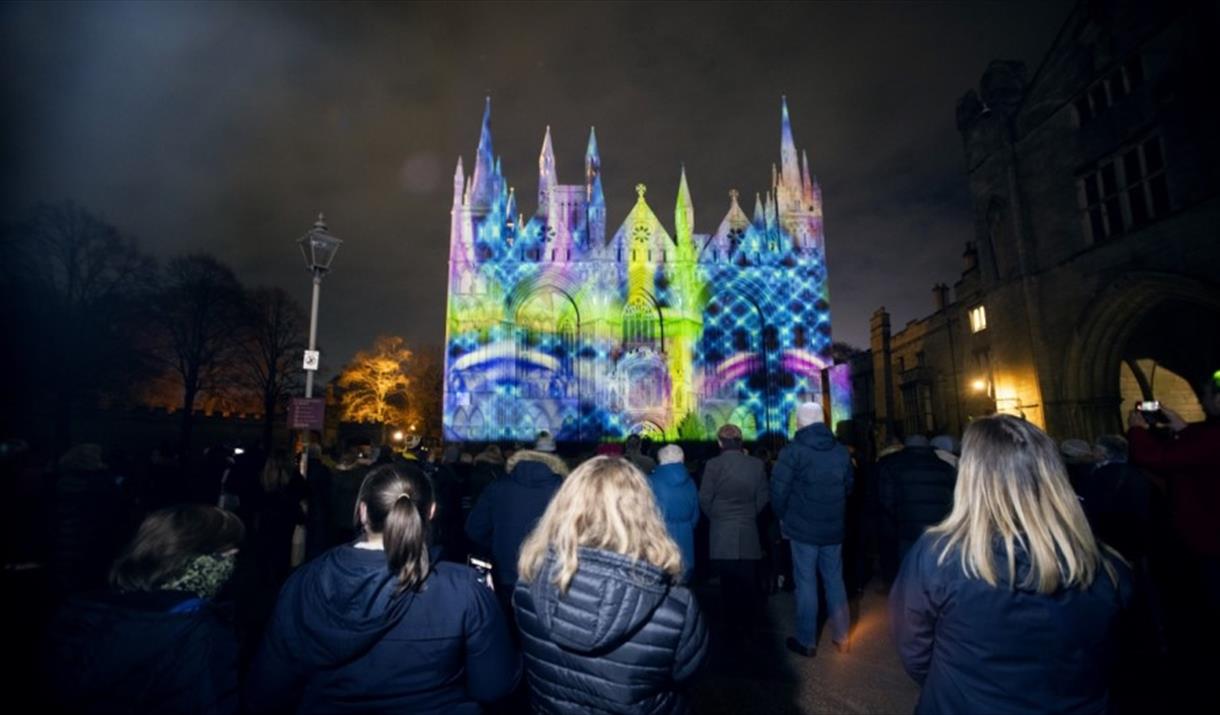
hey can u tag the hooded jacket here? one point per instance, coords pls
(341, 641)
(977, 648)
(621, 640)
(508, 509)
(679, 503)
(809, 486)
(144, 652)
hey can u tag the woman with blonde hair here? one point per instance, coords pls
(604, 626)
(1010, 605)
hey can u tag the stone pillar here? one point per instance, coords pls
(883, 375)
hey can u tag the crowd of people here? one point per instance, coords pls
(1022, 575)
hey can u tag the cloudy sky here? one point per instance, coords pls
(226, 127)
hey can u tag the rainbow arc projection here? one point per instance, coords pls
(553, 324)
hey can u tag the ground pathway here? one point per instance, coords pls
(764, 677)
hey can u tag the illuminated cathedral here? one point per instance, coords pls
(555, 323)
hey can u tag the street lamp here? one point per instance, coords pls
(318, 247)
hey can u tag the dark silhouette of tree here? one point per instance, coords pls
(425, 398)
(73, 288)
(199, 314)
(271, 351)
(843, 352)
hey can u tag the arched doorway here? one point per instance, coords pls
(1161, 317)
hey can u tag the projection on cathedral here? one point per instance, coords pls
(554, 323)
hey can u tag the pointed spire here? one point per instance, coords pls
(459, 183)
(510, 211)
(499, 171)
(591, 150)
(684, 212)
(791, 172)
(760, 218)
(806, 183)
(482, 179)
(547, 178)
(593, 171)
(774, 176)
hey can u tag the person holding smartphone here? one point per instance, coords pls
(380, 625)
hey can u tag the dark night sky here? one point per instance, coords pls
(225, 127)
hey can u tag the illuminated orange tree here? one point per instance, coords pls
(375, 384)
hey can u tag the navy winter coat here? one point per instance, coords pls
(809, 486)
(340, 641)
(621, 640)
(976, 648)
(154, 652)
(679, 503)
(916, 490)
(509, 508)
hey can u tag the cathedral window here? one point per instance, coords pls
(640, 325)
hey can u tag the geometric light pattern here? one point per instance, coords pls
(553, 325)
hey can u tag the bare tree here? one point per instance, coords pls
(270, 351)
(375, 383)
(198, 315)
(75, 285)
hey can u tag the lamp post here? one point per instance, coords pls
(318, 247)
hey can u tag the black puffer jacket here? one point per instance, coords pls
(621, 640)
(916, 490)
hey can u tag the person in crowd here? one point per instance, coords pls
(1079, 460)
(488, 467)
(1186, 458)
(887, 535)
(604, 626)
(87, 535)
(380, 625)
(809, 488)
(278, 514)
(449, 525)
(1010, 605)
(732, 494)
(1117, 500)
(154, 642)
(345, 484)
(679, 502)
(633, 451)
(915, 488)
(947, 448)
(508, 509)
(318, 511)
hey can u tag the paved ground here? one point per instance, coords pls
(763, 677)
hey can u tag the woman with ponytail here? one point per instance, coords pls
(379, 625)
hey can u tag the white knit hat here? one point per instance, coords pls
(808, 413)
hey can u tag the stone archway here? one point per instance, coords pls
(1091, 400)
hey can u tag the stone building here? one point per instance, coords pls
(1093, 279)
(558, 321)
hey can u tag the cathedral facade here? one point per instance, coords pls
(556, 323)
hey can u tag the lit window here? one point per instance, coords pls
(978, 319)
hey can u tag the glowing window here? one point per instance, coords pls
(978, 319)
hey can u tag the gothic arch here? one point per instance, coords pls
(569, 286)
(1090, 377)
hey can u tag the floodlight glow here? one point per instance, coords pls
(553, 325)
